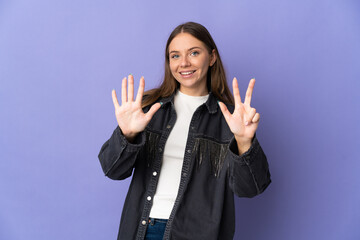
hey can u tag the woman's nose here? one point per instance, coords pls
(185, 62)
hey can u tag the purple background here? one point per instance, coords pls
(59, 61)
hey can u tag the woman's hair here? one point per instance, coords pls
(216, 78)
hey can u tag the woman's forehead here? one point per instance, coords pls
(185, 41)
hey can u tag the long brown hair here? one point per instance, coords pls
(216, 80)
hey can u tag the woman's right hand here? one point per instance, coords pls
(129, 115)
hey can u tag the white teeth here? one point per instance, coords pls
(186, 73)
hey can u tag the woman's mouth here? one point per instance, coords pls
(187, 74)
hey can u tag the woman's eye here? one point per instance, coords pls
(175, 56)
(194, 53)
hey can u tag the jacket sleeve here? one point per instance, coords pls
(249, 172)
(117, 156)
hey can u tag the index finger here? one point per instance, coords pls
(236, 93)
(249, 92)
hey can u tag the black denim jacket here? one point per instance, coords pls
(212, 172)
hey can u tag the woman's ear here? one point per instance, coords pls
(212, 57)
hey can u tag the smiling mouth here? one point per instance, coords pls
(188, 73)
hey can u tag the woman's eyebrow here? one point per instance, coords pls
(175, 51)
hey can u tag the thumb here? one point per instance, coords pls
(152, 111)
(224, 111)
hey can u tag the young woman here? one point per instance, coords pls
(190, 148)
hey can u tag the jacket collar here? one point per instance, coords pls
(211, 103)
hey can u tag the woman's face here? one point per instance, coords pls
(189, 61)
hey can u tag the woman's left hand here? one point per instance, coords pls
(244, 121)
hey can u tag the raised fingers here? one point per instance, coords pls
(123, 91)
(140, 90)
(236, 92)
(114, 98)
(249, 92)
(131, 88)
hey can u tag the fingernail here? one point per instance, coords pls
(161, 103)
(218, 101)
(246, 123)
(130, 74)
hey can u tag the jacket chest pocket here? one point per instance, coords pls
(210, 153)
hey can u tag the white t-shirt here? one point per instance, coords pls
(170, 174)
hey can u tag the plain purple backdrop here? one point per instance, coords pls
(59, 61)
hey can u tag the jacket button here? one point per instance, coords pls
(154, 173)
(148, 198)
(189, 151)
(168, 126)
(143, 222)
(160, 149)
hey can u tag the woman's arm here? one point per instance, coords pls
(117, 156)
(248, 172)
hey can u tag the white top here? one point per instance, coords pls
(170, 174)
